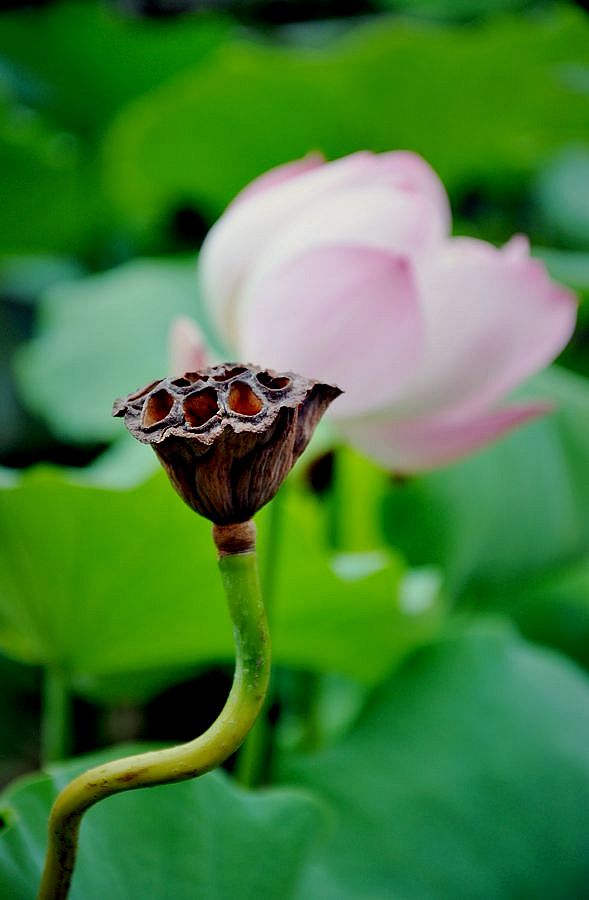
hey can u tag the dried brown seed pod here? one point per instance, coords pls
(228, 435)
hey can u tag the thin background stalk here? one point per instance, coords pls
(252, 759)
(56, 719)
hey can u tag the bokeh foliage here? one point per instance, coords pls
(87, 585)
(440, 791)
(122, 137)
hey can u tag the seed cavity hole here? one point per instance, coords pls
(157, 408)
(243, 401)
(142, 391)
(189, 378)
(226, 374)
(199, 408)
(274, 382)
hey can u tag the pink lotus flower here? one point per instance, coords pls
(346, 271)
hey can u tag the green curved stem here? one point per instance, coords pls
(252, 670)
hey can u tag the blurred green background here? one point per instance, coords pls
(430, 690)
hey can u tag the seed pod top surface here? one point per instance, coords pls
(227, 435)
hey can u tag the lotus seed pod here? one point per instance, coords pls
(227, 435)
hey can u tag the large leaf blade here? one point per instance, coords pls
(201, 838)
(467, 776)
